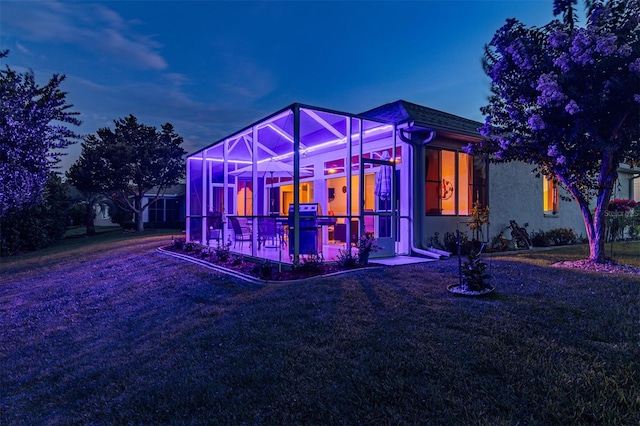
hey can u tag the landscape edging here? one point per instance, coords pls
(249, 278)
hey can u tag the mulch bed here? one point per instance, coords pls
(607, 267)
(244, 266)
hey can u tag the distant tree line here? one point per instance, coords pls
(117, 168)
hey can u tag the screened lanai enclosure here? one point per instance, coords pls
(304, 181)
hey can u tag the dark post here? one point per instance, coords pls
(459, 257)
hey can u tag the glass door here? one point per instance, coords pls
(379, 216)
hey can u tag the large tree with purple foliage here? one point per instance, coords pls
(33, 132)
(565, 98)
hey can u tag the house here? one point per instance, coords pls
(308, 180)
(168, 210)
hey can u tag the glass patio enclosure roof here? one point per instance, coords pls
(297, 144)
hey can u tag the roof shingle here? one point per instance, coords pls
(401, 111)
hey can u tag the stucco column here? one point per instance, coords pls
(419, 220)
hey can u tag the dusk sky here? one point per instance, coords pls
(213, 67)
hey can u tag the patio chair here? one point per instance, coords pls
(267, 231)
(240, 233)
(340, 231)
(215, 227)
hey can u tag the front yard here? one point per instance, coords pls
(108, 331)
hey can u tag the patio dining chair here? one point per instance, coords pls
(240, 233)
(215, 227)
(267, 231)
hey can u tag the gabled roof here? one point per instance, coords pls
(400, 112)
(177, 190)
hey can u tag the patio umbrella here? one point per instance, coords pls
(274, 168)
(383, 179)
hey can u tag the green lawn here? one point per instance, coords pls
(105, 330)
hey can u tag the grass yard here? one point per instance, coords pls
(107, 331)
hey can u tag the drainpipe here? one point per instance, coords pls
(417, 151)
(631, 186)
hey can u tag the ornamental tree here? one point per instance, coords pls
(565, 98)
(32, 135)
(90, 175)
(135, 160)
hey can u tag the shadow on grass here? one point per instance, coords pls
(120, 334)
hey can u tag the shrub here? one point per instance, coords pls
(435, 241)
(36, 227)
(540, 239)
(205, 252)
(178, 243)
(78, 213)
(264, 270)
(621, 205)
(451, 243)
(309, 265)
(562, 236)
(223, 251)
(121, 217)
(475, 272)
(366, 245)
(346, 260)
(191, 246)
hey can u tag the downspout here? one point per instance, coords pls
(419, 196)
(632, 185)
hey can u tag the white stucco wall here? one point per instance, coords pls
(627, 186)
(515, 193)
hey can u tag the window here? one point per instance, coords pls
(478, 184)
(550, 196)
(156, 211)
(454, 181)
(172, 210)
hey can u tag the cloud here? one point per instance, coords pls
(157, 102)
(90, 26)
(23, 49)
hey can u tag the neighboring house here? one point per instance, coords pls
(169, 209)
(102, 215)
(166, 211)
(398, 170)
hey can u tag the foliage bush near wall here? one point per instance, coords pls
(540, 239)
(466, 245)
(562, 236)
(554, 237)
(37, 227)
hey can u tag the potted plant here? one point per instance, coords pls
(474, 277)
(366, 244)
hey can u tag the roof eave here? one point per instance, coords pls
(418, 126)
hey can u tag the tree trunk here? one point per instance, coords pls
(138, 214)
(91, 226)
(595, 232)
(595, 222)
(596, 242)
